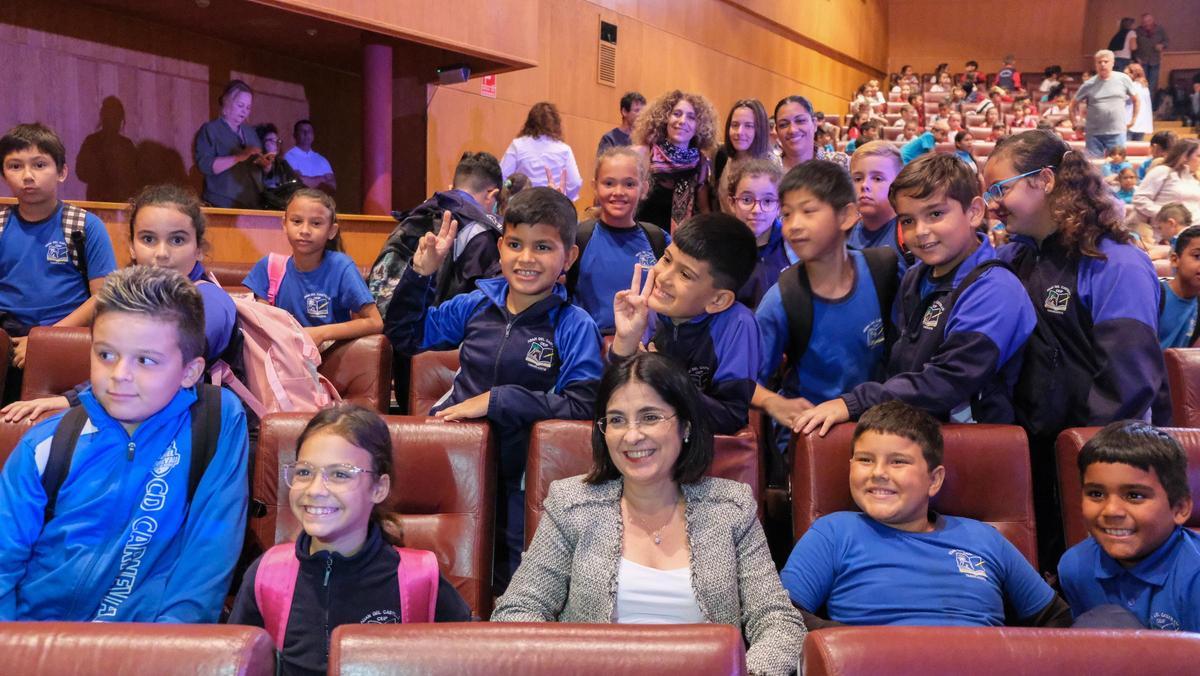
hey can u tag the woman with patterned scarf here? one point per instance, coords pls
(674, 134)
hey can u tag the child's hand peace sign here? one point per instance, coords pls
(433, 248)
(559, 185)
(631, 313)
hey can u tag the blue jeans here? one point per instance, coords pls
(1137, 135)
(1152, 79)
(1098, 144)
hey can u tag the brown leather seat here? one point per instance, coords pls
(1070, 484)
(361, 370)
(100, 649)
(431, 377)
(987, 479)
(443, 486)
(56, 359)
(563, 448)
(228, 273)
(517, 649)
(5, 356)
(1183, 376)
(10, 434)
(998, 651)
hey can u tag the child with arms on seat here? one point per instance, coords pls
(349, 563)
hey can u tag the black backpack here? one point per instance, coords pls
(656, 236)
(796, 294)
(206, 427)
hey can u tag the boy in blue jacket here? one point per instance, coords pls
(129, 526)
(526, 354)
(961, 317)
(698, 321)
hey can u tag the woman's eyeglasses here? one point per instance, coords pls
(999, 189)
(335, 476)
(619, 423)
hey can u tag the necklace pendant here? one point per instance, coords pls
(657, 538)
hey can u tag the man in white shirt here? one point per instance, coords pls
(314, 170)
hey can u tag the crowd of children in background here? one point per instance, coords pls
(889, 274)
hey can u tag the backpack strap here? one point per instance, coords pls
(276, 269)
(1162, 296)
(5, 210)
(74, 224)
(795, 292)
(206, 428)
(974, 275)
(657, 237)
(907, 255)
(582, 236)
(884, 265)
(274, 587)
(417, 575)
(58, 464)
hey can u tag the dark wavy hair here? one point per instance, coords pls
(669, 379)
(543, 120)
(1080, 202)
(177, 197)
(761, 145)
(1144, 446)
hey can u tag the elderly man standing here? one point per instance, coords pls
(1151, 41)
(1105, 95)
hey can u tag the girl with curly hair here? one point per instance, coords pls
(674, 134)
(1094, 356)
(539, 152)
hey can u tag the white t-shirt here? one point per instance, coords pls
(651, 596)
(1145, 119)
(1126, 52)
(310, 163)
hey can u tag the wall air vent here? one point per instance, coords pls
(606, 71)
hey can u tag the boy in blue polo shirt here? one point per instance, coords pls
(962, 318)
(898, 562)
(1139, 557)
(53, 256)
(698, 321)
(873, 167)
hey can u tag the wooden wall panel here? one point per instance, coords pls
(715, 48)
(127, 96)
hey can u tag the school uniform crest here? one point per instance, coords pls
(541, 353)
(56, 252)
(1058, 297)
(646, 259)
(933, 315)
(316, 305)
(1164, 621)
(874, 333)
(969, 564)
(381, 617)
(701, 376)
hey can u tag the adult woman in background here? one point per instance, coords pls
(674, 134)
(645, 537)
(539, 152)
(747, 137)
(1144, 124)
(1175, 180)
(794, 126)
(229, 153)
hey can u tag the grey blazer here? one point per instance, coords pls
(569, 573)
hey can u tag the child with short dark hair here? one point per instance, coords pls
(692, 291)
(1139, 557)
(1116, 161)
(1126, 183)
(754, 193)
(1172, 219)
(868, 131)
(1160, 143)
(837, 568)
(53, 255)
(141, 519)
(526, 354)
(962, 317)
(1177, 325)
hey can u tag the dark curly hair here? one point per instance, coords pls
(651, 126)
(1080, 202)
(543, 120)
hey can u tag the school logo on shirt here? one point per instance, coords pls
(646, 259)
(316, 305)
(1163, 621)
(969, 564)
(381, 617)
(541, 353)
(1057, 299)
(701, 376)
(56, 252)
(932, 316)
(874, 332)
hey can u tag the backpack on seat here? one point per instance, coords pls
(275, 586)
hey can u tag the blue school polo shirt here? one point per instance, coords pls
(606, 266)
(962, 573)
(1162, 590)
(38, 283)
(1177, 321)
(326, 295)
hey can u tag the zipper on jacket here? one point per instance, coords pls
(129, 450)
(325, 584)
(328, 569)
(496, 367)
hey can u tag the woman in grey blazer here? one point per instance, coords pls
(646, 537)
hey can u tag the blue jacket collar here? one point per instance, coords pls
(985, 252)
(496, 290)
(99, 417)
(1152, 570)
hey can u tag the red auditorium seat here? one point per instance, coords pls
(994, 651)
(56, 359)
(230, 275)
(1070, 485)
(892, 133)
(563, 448)
(987, 479)
(361, 370)
(5, 356)
(1183, 377)
(443, 486)
(10, 434)
(430, 378)
(518, 649)
(101, 649)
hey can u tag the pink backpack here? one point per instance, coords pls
(275, 585)
(279, 358)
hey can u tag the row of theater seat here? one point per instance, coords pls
(497, 649)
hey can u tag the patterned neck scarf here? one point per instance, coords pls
(666, 158)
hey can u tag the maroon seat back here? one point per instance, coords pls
(100, 649)
(1183, 376)
(228, 273)
(998, 651)
(431, 377)
(443, 486)
(987, 479)
(5, 356)
(518, 649)
(10, 435)
(361, 370)
(57, 359)
(1070, 484)
(563, 448)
